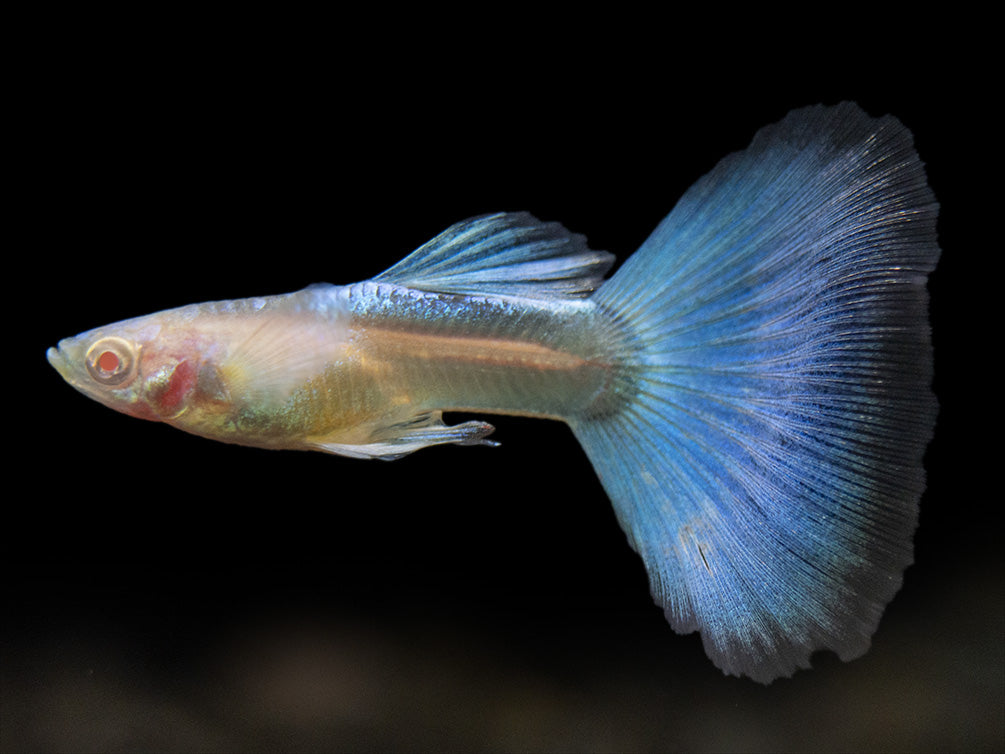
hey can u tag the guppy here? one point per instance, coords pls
(752, 386)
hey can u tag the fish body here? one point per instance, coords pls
(362, 370)
(752, 386)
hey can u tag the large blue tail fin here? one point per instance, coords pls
(767, 462)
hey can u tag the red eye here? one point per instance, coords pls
(108, 361)
(111, 361)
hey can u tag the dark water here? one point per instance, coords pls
(288, 680)
(164, 593)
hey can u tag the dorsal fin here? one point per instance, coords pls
(505, 254)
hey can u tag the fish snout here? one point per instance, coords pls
(65, 357)
(57, 359)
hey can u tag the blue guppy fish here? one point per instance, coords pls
(753, 385)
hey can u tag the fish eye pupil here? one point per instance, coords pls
(108, 361)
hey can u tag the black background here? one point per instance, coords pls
(166, 592)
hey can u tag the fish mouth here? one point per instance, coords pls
(58, 360)
(64, 357)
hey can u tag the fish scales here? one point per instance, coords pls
(505, 355)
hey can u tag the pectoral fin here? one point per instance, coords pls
(399, 440)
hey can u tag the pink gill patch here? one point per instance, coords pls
(182, 380)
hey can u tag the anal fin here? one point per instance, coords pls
(423, 431)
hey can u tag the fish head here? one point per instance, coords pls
(147, 367)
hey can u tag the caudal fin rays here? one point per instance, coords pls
(767, 461)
